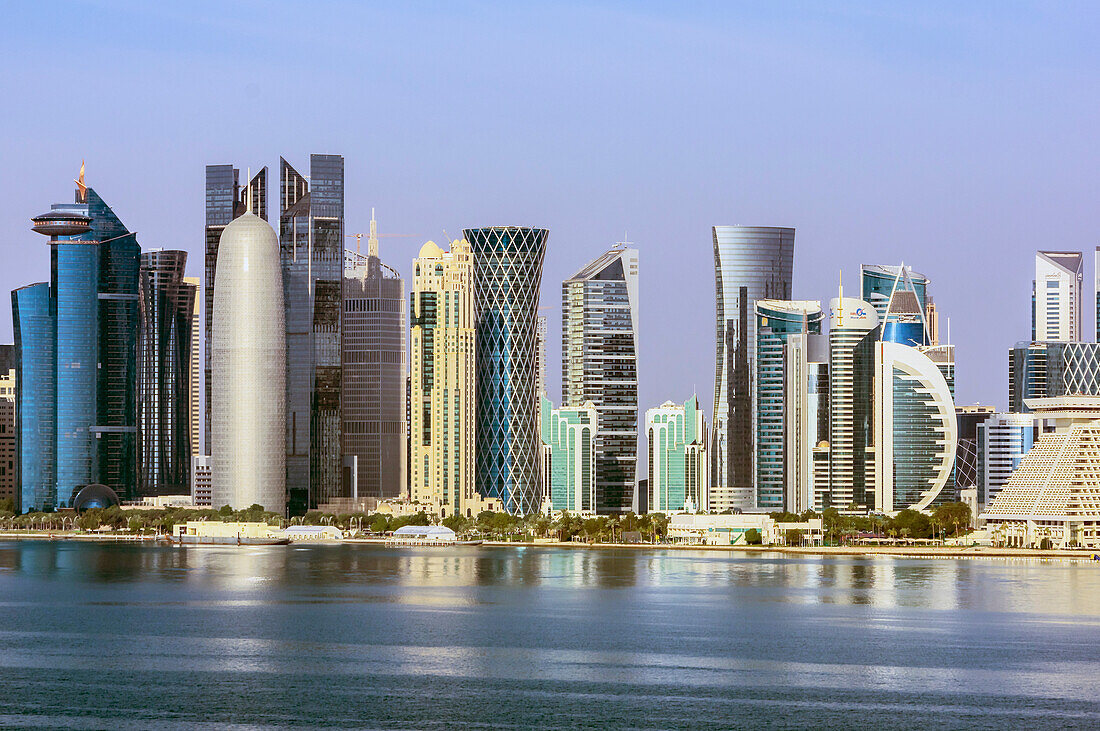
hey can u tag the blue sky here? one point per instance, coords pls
(958, 137)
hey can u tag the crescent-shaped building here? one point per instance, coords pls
(248, 369)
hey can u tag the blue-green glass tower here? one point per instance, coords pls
(507, 276)
(569, 456)
(776, 320)
(92, 323)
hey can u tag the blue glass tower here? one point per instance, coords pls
(507, 275)
(89, 332)
(900, 297)
(35, 378)
(776, 320)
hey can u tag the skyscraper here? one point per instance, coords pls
(900, 297)
(568, 457)
(1056, 296)
(77, 425)
(164, 360)
(806, 421)
(311, 238)
(248, 362)
(1002, 442)
(540, 355)
(600, 365)
(1047, 370)
(677, 438)
(853, 334)
(442, 399)
(750, 263)
(195, 372)
(915, 431)
(373, 372)
(776, 321)
(224, 202)
(9, 483)
(507, 276)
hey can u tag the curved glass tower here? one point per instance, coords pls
(507, 275)
(35, 379)
(750, 263)
(916, 432)
(164, 378)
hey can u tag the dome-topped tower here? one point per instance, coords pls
(248, 369)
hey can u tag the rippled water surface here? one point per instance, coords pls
(125, 636)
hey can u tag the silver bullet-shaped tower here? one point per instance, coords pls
(248, 368)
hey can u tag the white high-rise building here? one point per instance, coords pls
(1003, 440)
(1056, 296)
(248, 369)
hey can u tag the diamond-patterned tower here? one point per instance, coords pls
(507, 276)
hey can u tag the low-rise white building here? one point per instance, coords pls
(731, 530)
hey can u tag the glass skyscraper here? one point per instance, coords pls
(750, 263)
(36, 397)
(900, 297)
(507, 275)
(225, 201)
(164, 364)
(600, 365)
(91, 324)
(569, 457)
(677, 438)
(1047, 370)
(776, 321)
(311, 239)
(373, 389)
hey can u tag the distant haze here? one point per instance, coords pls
(957, 137)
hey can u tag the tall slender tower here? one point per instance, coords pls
(750, 263)
(507, 276)
(248, 360)
(442, 397)
(373, 372)
(167, 306)
(311, 240)
(1056, 296)
(224, 202)
(600, 365)
(195, 372)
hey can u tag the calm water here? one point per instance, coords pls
(124, 636)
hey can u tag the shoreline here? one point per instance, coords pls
(869, 551)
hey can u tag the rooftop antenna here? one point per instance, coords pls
(840, 298)
(80, 184)
(372, 241)
(624, 243)
(948, 330)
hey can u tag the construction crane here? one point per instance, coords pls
(372, 237)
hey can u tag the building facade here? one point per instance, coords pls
(569, 457)
(1002, 441)
(750, 263)
(775, 321)
(966, 455)
(900, 297)
(167, 305)
(915, 432)
(1049, 370)
(9, 483)
(311, 239)
(202, 481)
(76, 425)
(507, 276)
(853, 333)
(443, 384)
(248, 368)
(373, 373)
(196, 370)
(1056, 296)
(600, 365)
(806, 421)
(225, 200)
(677, 439)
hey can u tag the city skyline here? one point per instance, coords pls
(877, 174)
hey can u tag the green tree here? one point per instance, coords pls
(379, 523)
(752, 537)
(7, 506)
(793, 537)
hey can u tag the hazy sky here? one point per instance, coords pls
(958, 137)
